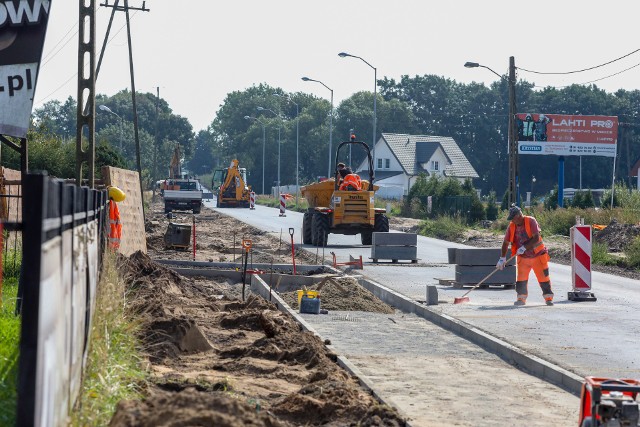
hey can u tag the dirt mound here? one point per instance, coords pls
(219, 361)
(174, 336)
(219, 238)
(617, 236)
(191, 407)
(346, 295)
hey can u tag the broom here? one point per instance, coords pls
(464, 298)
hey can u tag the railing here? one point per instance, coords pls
(64, 237)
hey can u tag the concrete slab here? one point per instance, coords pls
(474, 274)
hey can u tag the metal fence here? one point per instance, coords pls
(64, 239)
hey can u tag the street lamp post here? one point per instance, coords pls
(263, 144)
(297, 145)
(514, 184)
(307, 79)
(279, 127)
(533, 181)
(375, 96)
(108, 110)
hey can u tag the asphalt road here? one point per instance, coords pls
(586, 338)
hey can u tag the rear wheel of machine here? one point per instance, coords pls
(366, 237)
(587, 422)
(307, 231)
(320, 226)
(381, 224)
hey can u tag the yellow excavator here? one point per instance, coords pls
(231, 186)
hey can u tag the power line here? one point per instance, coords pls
(51, 52)
(602, 78)
(585, 69)
(75, 74)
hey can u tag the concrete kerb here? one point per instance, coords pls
(260, 287)
(523, 360)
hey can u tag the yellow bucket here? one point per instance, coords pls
(308, 294)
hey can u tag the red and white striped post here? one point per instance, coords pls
(581, 243)
(283, 205)
(252, 200)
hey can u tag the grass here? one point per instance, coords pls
(9, 352)
(601, 256)
(10, 328)
(115, 366)
(272, 202)
(443, 227)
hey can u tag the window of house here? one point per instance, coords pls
(435, 165)
(379, 164)
(387, 163)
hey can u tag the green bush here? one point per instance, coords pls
(633, 253)
(443, 227)
(504, 205)
(477, 212)
(492, 209)
(600, 255)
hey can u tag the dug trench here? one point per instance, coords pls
(217, 360)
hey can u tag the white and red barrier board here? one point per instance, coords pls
(581, 240)
(283, 205)
(252, 200)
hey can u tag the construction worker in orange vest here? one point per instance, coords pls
(523, 234)
(115, 226)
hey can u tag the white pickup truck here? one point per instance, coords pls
(182, 195)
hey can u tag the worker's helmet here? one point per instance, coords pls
(528, 117)
(541, 117)
(116, 194)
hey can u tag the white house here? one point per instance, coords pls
(401, 158)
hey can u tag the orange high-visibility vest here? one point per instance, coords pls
(527, 229)
(115, 230)
(352, 180)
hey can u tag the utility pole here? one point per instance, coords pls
(514, 165)
(85, 113)
(126, 9)
(155, 150)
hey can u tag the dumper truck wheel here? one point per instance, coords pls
(307, 231)
(320, 227)
(366, 237)
(381, 224)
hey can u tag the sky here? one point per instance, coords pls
(198, 51)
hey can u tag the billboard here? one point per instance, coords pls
(23, 24)
(567, 135)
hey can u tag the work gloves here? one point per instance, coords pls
(521, 250)
(501, 262)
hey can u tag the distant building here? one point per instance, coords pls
(401, 158)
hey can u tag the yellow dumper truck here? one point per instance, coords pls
(342, 205)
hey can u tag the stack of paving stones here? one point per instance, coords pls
(474, 264)
(394, 247)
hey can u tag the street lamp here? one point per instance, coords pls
(279, 126)
(375, 96)
(263, 144)
(297, 139)
(533, 181)
(108, 110)
(514, 184)
(307, 79)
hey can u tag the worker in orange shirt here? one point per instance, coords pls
(115, 226)
(523, 234)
